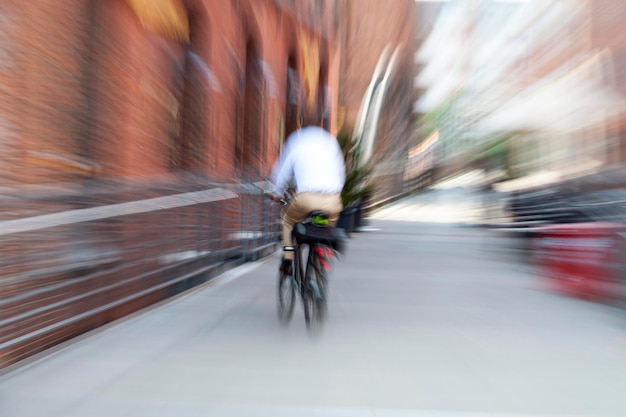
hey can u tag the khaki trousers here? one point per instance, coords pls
(301, 206)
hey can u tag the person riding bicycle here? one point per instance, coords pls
(313, 160)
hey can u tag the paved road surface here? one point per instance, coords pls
(425, 320)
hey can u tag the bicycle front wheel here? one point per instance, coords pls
(286, 298)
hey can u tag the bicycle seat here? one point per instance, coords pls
(318, 213)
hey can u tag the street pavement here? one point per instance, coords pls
(425, 319)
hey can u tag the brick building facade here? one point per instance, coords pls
(370, 29)
(145, 89)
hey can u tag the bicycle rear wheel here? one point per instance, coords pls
(315, 306)
(286, 298)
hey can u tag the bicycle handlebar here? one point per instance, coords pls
(283, 201)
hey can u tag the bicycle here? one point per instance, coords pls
(319, 243)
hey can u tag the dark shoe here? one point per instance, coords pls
(286, 267)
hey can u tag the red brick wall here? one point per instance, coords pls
(98, 85)
(137, 99)
(364, 36)
(42, 86)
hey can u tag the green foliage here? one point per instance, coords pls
(358, 185)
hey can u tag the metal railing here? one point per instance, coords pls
(76, 260)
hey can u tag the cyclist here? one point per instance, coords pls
(312, 162)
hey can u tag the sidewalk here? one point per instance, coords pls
(425, 320)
